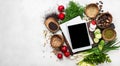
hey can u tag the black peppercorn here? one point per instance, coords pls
(53, 26)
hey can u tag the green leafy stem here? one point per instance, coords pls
(98, 54)
(73, 10)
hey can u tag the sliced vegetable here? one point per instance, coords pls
(96, 40)
(97, 31)
(101, 45)
(85, 64)
(99, 36)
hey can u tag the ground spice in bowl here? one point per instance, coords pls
(109, 34)
(91, 10)
(57, 41)
(52, 24)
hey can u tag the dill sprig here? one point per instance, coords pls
(73, 10)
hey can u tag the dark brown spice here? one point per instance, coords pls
(53, 15)
(104, 20)
(100, 6)
(53, 26)
(97, 3)
(102, 10)
(100, 2)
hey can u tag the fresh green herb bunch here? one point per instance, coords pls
(73, 10)
(98, 54)
(97, 58)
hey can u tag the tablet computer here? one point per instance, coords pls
(66, 30)
(79, 37)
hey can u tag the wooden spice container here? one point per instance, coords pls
(91, 10)
(57, 41)
(52, 24)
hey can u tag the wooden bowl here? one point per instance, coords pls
(109, 34)
(57, 41)
(104, 20)
(91, 10)
(52, 24)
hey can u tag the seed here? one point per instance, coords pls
(100, 6)
(102, 11)
(100, 2)
(97, 3)
(53, 26)
(107, 20)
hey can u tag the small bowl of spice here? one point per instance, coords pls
(57, 41)
(104, 20)
(109, 34)
(51, 22)
(91, 10)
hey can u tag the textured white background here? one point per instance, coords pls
(21, 32)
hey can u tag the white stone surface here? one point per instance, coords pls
(21, 32)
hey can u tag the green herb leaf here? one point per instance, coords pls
(73, 10)
(97, 55)
(97, 58)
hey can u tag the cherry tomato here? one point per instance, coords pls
(64, 49)
(59, 55)
(67, 54)
(61, 16)
(61, 8)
